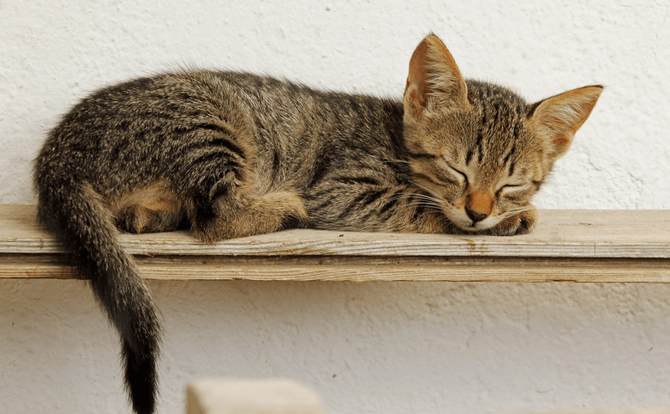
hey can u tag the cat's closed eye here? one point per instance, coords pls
(461, 176)
(512, 191)
(510, 188)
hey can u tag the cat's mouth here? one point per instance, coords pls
(463, 220)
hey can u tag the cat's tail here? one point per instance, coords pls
(77, 215)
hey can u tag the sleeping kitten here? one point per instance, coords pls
(233, 155)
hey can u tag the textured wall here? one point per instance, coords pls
(369, 348)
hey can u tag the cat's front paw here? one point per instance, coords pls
(521, 223)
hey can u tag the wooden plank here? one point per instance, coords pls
(567, 245)
(560, 233)
(362, 269)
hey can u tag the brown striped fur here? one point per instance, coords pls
(231, 154)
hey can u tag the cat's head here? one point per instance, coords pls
(479, 149)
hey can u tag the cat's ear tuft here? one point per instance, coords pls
(434, 79)
(559, 117)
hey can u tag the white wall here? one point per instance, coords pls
(376, 347)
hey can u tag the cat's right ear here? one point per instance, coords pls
(434, 79)
(556, 119)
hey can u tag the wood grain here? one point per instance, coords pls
(568, 245)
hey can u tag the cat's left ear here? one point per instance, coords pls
(559, 117)
(434, 79)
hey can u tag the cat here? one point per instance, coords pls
(232, 154)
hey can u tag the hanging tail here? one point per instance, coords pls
(77, 216)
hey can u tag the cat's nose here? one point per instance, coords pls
(478, 206)
(475, 216)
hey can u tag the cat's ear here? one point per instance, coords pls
(434, 79)
(559, 117)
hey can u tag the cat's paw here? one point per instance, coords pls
(254, 215)
(286, 207)
(521, 223)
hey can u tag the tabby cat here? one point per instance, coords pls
(232, 154)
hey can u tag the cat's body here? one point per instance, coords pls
(232, 155)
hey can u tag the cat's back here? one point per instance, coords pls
(146, 111)
(171, 100)
(140, 128)
(130, 134)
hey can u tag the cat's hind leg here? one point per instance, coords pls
(216, 173)
(237, 213)
(150, 209)
(243, 215)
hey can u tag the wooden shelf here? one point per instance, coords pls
(567, 245)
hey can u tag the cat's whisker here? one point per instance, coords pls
(428, 190)
(436, 207)
(429, 200)
(395, 160)
(431, 196)
(514, 211)
(419, 199)
(425, 196)
(425, 200)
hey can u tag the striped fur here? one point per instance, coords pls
(231, 154)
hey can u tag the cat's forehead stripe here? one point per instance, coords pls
(478, 145)
(511, 169)
(509, 154)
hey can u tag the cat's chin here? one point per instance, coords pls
(521, 223)
(463, 223)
